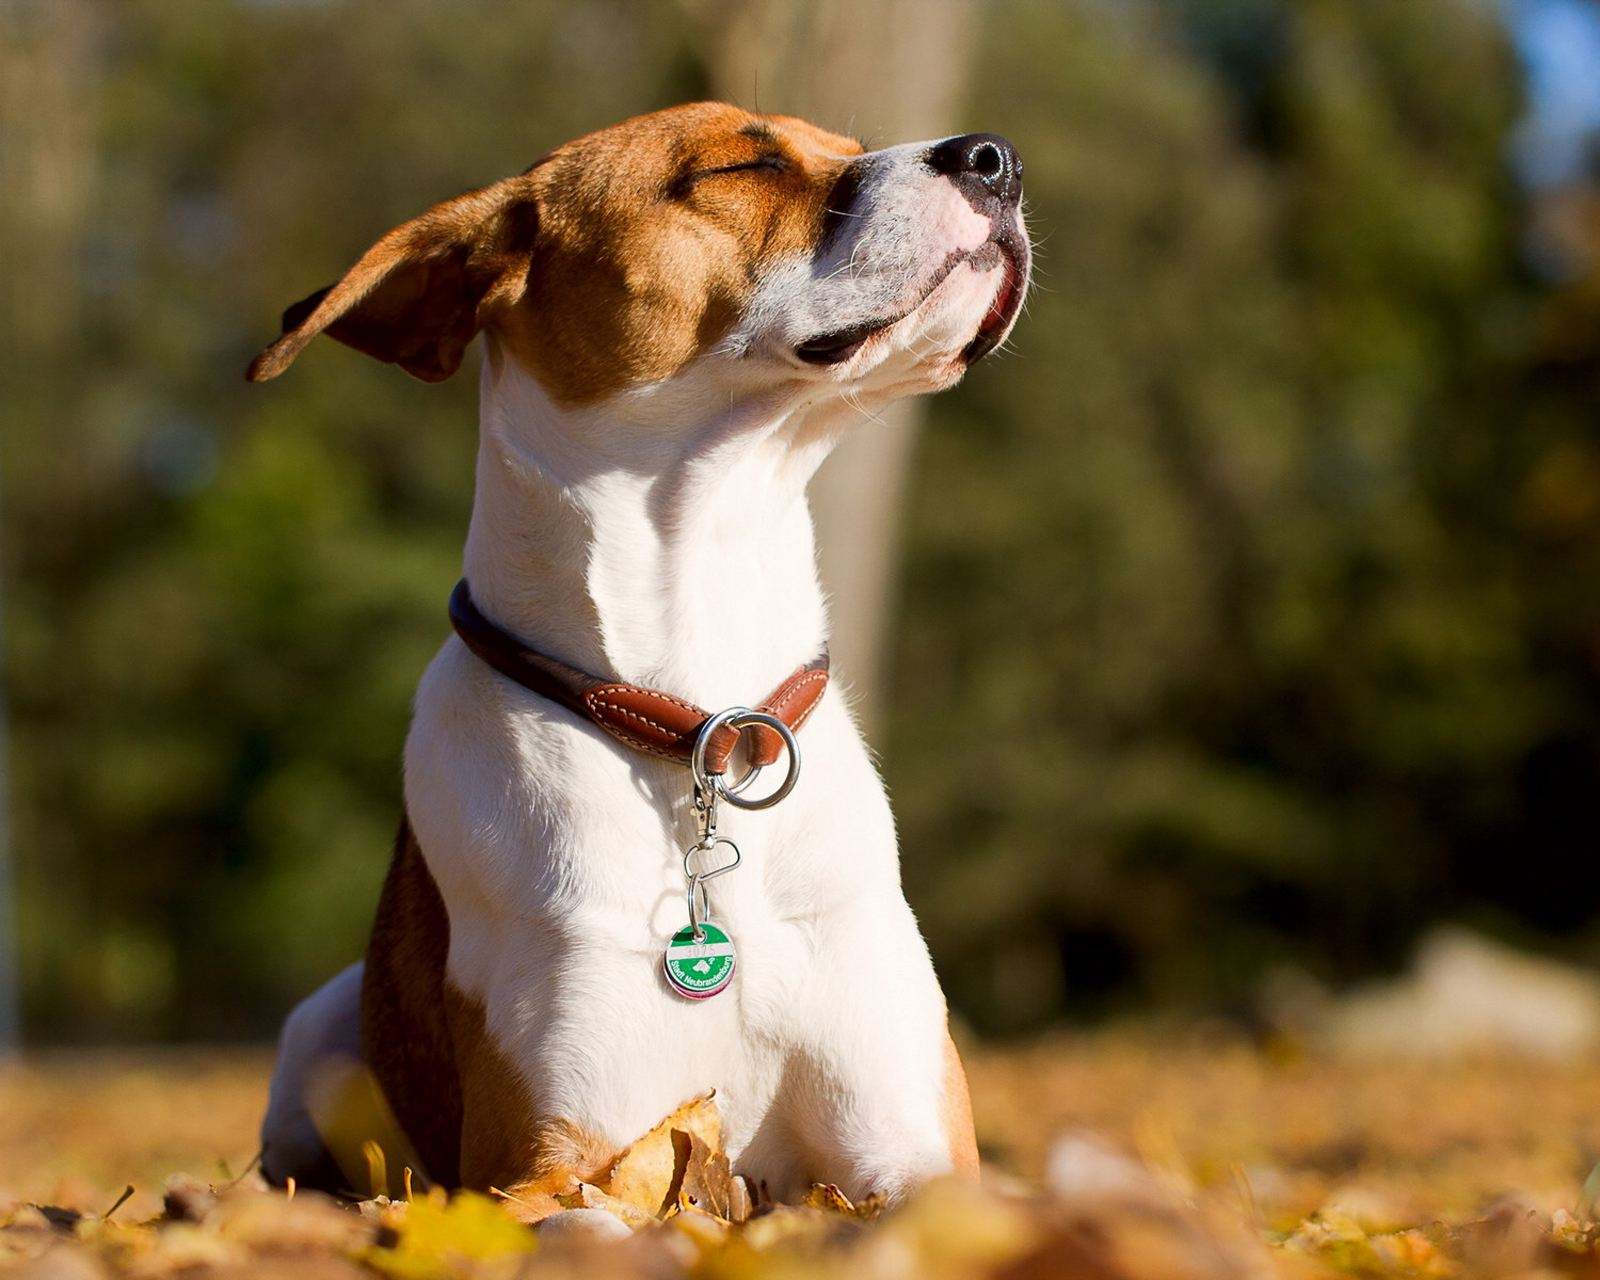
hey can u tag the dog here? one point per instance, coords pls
(682, 314)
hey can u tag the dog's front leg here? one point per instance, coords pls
(555, 1085)
(881, 1101)
(508, 1143)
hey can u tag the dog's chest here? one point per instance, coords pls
(560, 861)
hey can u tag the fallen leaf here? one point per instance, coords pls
(649, 1174)
(706, 1184)
(591, 1197)
(435, 1236)
(826, 1196)
(706, 1231)
(187, 1199)
(788, 1229)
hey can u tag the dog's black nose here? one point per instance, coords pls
(980, 162)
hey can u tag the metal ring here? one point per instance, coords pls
(697, 758)
(698, 897)
(744, 718)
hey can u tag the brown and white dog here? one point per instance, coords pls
(682, 314)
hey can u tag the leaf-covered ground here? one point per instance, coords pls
(1128, 1156)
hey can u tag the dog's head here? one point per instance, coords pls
(778, 251)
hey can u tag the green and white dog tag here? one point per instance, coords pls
(698, 970)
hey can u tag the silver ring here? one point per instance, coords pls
(744, 718)
(699, 908)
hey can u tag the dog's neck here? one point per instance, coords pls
(663, 539)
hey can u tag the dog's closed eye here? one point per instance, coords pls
(774, 161)
(684, 183)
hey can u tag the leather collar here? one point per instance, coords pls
(645, 719)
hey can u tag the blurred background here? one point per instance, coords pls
(1232, 644)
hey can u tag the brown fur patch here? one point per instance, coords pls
(405, 1037)
(505, 1142)
(458, 1098)
(614, 261)
(958, 1128)
(651, 240)
(420, 295)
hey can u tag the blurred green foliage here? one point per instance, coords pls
(1250, 608)
(1262, 581)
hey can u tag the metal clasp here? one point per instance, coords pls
(709, 788)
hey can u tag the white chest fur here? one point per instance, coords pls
(558, 854)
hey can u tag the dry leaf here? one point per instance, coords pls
(649, 1174)
(1102, 1213)
(706, 1184)
(435, 1236)
(826, 1196)
(591, 1197)
(794, 1227)
(706, 1231)
(357, 1126)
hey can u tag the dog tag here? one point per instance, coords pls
(698, 970)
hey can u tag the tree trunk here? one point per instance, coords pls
(890, 71)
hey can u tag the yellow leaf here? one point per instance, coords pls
(649, 1174)
(705, 1184)
(959, 1225)
(590, 1197)
(438, 1238)
(826, 1196)
(706, 1231)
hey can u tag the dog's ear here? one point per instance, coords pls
(420, 295)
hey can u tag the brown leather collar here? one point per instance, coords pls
(644, 719)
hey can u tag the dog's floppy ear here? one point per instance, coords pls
(420, 295)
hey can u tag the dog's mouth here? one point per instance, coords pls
(839, 346)
(1005, 250)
